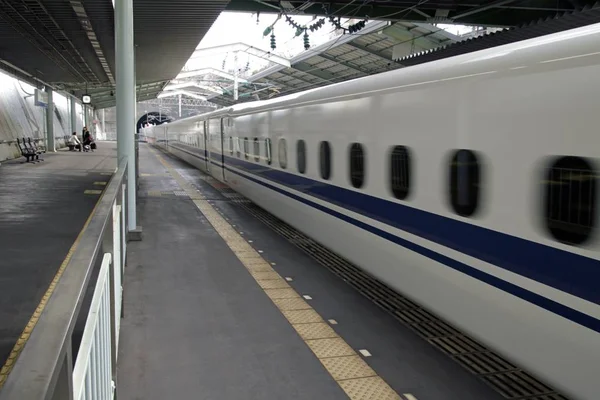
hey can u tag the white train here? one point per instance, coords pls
(468, 184)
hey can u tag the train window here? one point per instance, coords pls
(256, 150)
(301, 156)
(282, 153)
(237, 146)
(400, 168)
(268, 150)
(464, 182)
(571, 199)
(231, 145)
(325, 160)
(357, 165)
(246, 148)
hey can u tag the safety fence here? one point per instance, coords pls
(44, 369)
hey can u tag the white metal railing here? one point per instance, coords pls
(92, 375)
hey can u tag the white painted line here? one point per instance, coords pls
(409, 396)
(260, 251)
(287, 278)
(365, 353)
(241, 233)
(273, 264)
(249, 241)
(332, 321)
(307, 297)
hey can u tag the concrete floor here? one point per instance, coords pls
(43, 207)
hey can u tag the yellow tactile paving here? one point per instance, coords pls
(372, 388)
(265, 275)
(281, 293)
(302, 316)
(349, 367)
(352, 373)
(292, 304)
(272, 283)
(317, 330)
(330, 347)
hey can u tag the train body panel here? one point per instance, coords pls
(498, 274)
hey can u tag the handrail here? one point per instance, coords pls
(43, 371)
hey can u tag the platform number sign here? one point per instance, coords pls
(41, 98)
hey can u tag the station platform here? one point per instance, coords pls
(43, 207)
(218, 305)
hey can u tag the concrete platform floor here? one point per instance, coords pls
(198, 325)
(43, 207)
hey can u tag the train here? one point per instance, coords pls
(467, 184)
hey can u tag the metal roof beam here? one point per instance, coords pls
(84, 21)
(371, 52)
(193, 84)
(344, 63)
(312, 70)
(482, 8)
(181, 92)
(246, 48)
(206, 71)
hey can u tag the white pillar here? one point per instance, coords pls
(73, 116)
(235, 77)
(126, 99)
(50, 122)
(103, 123)
(179, 106)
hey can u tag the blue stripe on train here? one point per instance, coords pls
(562, 270)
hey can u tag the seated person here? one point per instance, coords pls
(74, 142)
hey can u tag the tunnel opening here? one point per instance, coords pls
(152, 118)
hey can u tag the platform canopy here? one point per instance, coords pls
(70, 44)
(474, 12)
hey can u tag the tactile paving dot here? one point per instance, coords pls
(281, 293)
(265, 275)
(318, 330)
(273, 284)
(372, 388)
(291, 304)
(349, 367)
(334, 347)
(302, 316)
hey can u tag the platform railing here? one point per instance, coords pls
(45, 370)
(92, 375)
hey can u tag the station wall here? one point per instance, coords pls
(19, 117)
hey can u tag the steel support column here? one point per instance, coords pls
(50, 122)
(103, 123)
(126, 100)
(73, 115)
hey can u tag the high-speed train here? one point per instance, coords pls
(468, 184)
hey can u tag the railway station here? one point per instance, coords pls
(265, 199)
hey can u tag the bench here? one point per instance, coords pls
(33, 144)
(27, 151)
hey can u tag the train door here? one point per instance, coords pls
(223, 147)
(206, 143)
